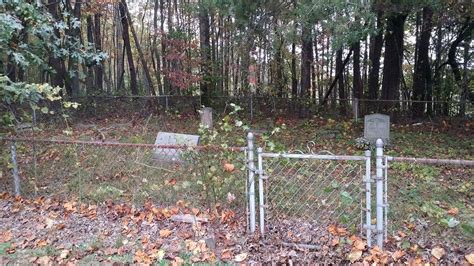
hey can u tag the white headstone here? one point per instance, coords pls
(206, 117)
(377, 126)
(171, 154)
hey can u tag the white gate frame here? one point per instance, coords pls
(367, 179)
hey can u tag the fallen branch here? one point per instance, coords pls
(301, 246)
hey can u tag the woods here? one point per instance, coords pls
(400, 50)
(236, 131)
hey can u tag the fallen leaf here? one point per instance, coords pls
(42, 243)
(402, 234)
(69, 206)
(227, 216)
(359, 245)
(354, 255)
(60, 226)
(332, 229)
(335, 242)
(228, 167)
(414, 248)
(230, 197)
(241, 257)
(11, 250)
(158, 255)
(438, 252)
(170, 182)
(398, 255)
(64, 254)
(226, 254)
(50, 223)
(341, 231)
(6, 236)
(195, 211)
(166, 213)
(142, 257)
(165, 233)
(453, 211)
(470, 258)
(45, 260)
(177, 261)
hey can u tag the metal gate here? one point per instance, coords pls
(320, 190)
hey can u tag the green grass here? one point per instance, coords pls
(97, 174)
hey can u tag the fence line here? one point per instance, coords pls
(96, 171)
(264, 97)
(457, 162)
(122, 144)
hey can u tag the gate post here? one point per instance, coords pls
(379, 192)
(251, 180)
(368, 195)
(355, 109)
(261, 177)
(16, 177)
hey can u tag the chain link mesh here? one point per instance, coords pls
(323, 192)
(201, 176)
(431, 203)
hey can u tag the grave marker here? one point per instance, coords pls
(171, 154)
(206, 117)
(377, 126)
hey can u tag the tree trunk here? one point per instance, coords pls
(141, 56)
(313, 68)
(376, 43)
(99, 68)
(280, 74)
(306, 60)
(294, 79)
(204, 41)
(437, 68)
(166, 83)
(128, 48)
(119, 50)
(357, 81)
(464, 34)
(422, 73)
(466, 80)
(76, 35)
(90, 67)
(339, 75)
(155, 48)
(340, 69)
(392, 69)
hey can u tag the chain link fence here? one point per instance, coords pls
(311, 193)
(104, 107)
(431, 201)
(202, 176)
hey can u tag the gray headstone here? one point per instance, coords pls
(377, 126)
(170, 154)
(206, 117)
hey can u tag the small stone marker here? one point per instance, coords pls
(206, 117)
(377, 126)
(170, 154)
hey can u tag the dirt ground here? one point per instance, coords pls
(47, 231)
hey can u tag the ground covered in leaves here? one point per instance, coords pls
(48, 231)
(431, 210)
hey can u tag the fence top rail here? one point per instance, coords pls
(121, 144)
(457, 162)
(314, 156)
(264, 97)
